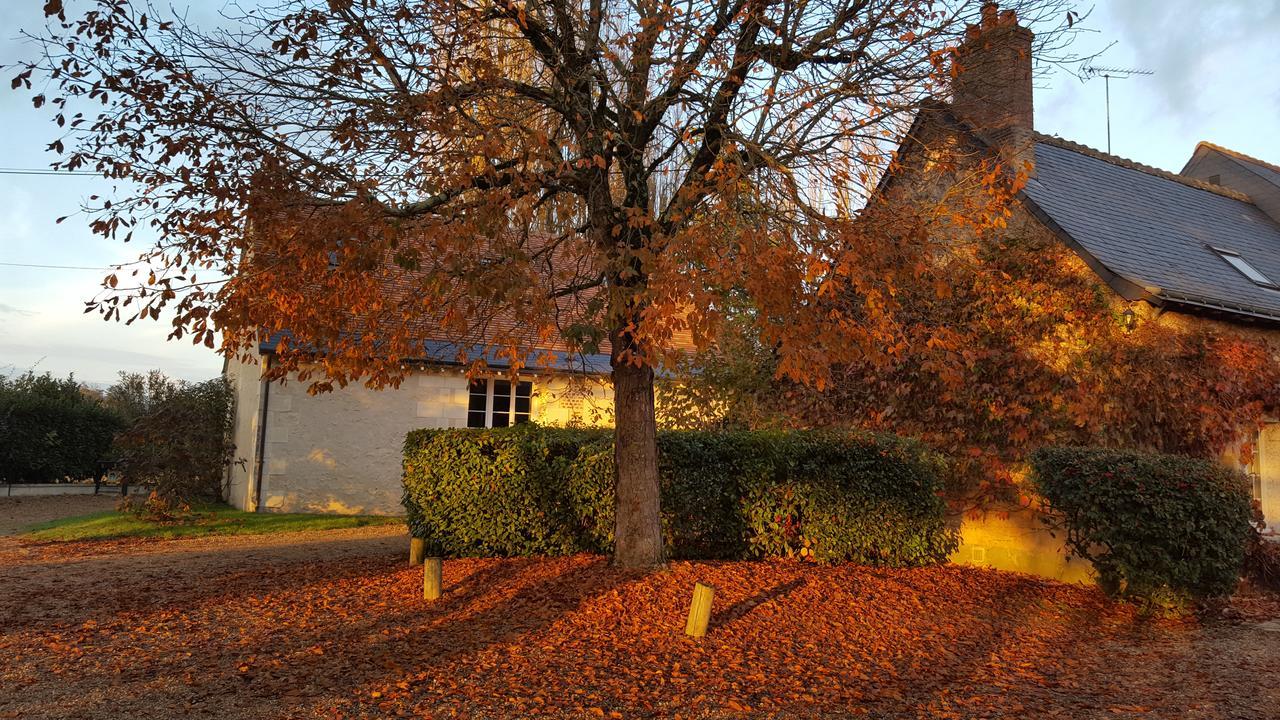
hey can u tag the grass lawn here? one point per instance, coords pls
(205, 520)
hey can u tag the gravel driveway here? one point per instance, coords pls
(19, 513)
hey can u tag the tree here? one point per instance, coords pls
(628, 165)
(178, 436)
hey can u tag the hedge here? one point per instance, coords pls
(1154, 526)
(50, 431)
(825, 496)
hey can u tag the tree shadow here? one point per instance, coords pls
(744, 606)
(138, 583)
(399, 636)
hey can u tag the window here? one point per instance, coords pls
(1215, 179)
(492, 403)
(1244, 268)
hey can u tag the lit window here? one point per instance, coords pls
(1244, 268)
(492, 403)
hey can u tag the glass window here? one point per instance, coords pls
(501, 403)
(493, 404)
(478, 404)
(524, 393)
(1244, 268)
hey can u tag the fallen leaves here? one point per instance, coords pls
(572, 637)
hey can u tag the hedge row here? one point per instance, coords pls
(825, 496)
(50, 431)
(1158, 527)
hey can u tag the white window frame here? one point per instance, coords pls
(488, 400)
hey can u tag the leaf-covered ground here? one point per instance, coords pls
(333, 625)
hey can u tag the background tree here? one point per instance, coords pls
(588, 173)
(177, 438)
(52, 429)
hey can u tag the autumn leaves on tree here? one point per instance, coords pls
(587, 176)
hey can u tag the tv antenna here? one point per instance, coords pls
(1089, 72)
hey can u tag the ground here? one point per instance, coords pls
(332, 624)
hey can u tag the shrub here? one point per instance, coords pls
(1156, 527)
(1262, 563)
(178, 439)
(51, 430)
(824, 496)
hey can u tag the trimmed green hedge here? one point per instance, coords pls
(1154, 526)
(50, 431)
(830, 497)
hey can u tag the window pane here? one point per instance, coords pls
(1244, 268)
(523, 391)
(477, 403)
(501, 403)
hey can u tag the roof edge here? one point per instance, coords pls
(1237, 155)
(1219, 306)
(1121, 285)
(1134, 165)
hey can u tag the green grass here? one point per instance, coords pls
(203, 521)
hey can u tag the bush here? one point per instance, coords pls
(1156, 527)
(51, 430)
(828, 497)
(1262, 563)
(178, 440)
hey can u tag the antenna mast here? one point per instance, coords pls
(1090, 72)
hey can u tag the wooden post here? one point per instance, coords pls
(699, 610)
(417, 550)
(432, 580)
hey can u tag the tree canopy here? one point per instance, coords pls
(351, 177)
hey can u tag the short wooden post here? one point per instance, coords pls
(432, 578)
(417, 550)
(699, 610)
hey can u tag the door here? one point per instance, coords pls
(1268, 487)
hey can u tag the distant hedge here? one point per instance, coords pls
(1154, 526)
(51, 431)
(825, 496)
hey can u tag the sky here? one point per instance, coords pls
(1216, 77)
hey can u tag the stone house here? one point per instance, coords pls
(1192, 248)
(340, 451)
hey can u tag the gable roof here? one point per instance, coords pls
(1261, 168)
(1151, 233)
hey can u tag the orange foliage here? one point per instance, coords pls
(1028, 347)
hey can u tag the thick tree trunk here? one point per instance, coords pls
(638, 532)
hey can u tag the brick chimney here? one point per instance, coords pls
(991, 87)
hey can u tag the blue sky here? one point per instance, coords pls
(1215, 79)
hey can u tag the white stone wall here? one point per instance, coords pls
(341, 451)
(244, 378)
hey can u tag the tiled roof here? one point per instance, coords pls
(441, 352)
(1154, 229)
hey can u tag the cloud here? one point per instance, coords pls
(12, 310)
(1180, 40)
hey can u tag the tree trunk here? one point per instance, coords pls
(638, 532)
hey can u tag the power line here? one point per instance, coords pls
(45, 171)
(56, 267)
